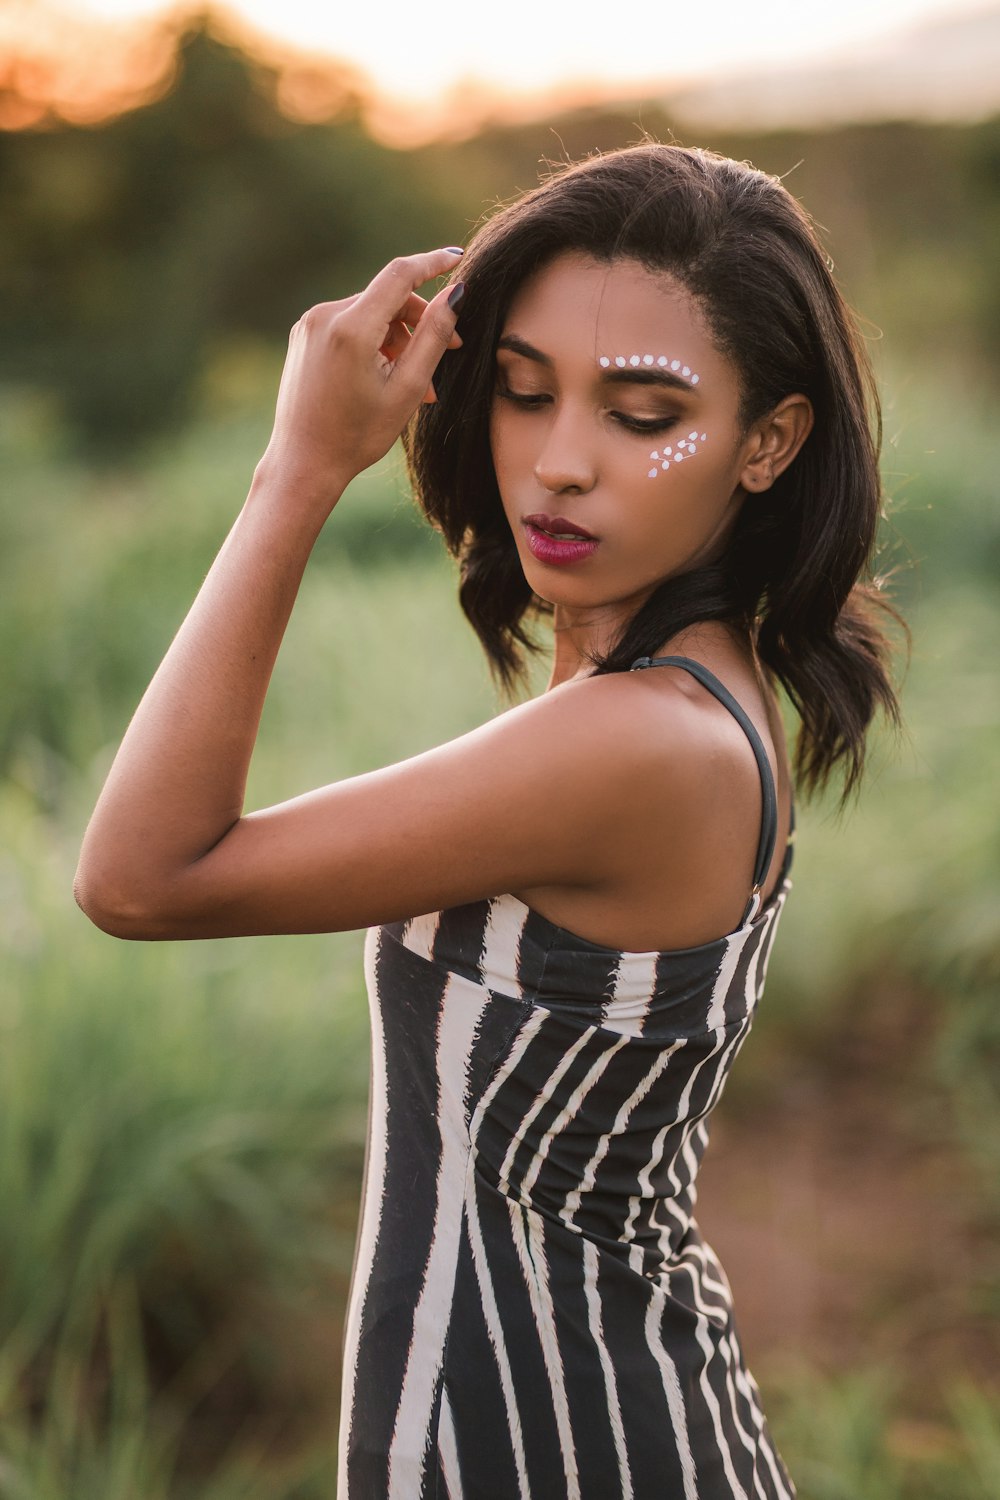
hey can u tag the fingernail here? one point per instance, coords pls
(454, 250)
(456, 295)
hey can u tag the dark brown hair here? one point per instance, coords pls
(794, 573)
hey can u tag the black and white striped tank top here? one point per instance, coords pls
(534, 1314)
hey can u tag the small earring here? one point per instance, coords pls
(757, 481)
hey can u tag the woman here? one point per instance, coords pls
(654, 426)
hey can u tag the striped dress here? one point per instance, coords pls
(534, 1314)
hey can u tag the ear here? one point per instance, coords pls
(774, 441)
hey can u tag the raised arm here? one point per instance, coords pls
(352, 378)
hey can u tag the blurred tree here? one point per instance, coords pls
(132, 247)
(985, 182)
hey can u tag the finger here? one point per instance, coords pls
(389, 294)
(412, 310)
(454, 343)
(395, 340)
(399, 336)
(432, 336)
(410, 321)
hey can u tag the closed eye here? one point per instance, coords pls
(522, 398)
(645, 424)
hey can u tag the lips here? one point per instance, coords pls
(559, 527)
(553, 539)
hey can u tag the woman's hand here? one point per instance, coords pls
(355, 374)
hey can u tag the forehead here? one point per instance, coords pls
(616, 308)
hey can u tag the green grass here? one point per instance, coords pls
(851, 1436)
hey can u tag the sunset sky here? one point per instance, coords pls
(517, 48)
(528, 44)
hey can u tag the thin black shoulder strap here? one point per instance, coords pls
(769, 811)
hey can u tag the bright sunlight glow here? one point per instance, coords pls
(528, 45)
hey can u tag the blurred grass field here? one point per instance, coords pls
(183, 1125)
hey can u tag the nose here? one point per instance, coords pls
(566, 461)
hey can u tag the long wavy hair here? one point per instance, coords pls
(795, 573)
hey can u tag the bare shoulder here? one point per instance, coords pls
(621, 733)
(607, 701)
(679, 790)
(658, 720)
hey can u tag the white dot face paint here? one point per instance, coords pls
(622, 361)
(675, 453)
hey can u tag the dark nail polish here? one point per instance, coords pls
(454, 249)
(456, 295)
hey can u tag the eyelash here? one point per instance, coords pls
(645, 427)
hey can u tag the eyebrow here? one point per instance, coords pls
(521, 346)
(630, 375)
(666, 378)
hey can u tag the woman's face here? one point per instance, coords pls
(614, 433)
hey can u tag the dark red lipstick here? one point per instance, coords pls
(553, 539)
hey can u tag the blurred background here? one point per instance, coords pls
(182, 1126)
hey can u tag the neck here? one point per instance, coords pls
(580, 635)
(577, 638)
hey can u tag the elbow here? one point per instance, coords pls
(113, 908)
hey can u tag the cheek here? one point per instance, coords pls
(506, 443)
(671, 456)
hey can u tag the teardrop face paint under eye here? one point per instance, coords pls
(676, 453)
